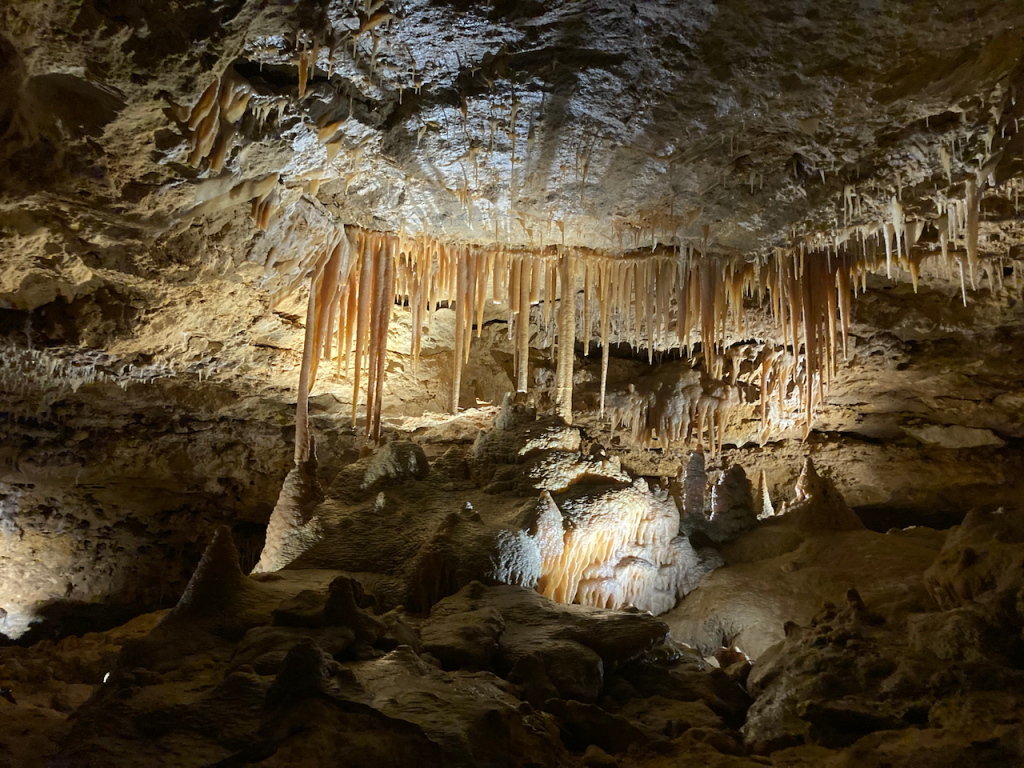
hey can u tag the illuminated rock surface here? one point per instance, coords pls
(405, 382)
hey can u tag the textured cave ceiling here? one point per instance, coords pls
(171, 171)
(616, 122)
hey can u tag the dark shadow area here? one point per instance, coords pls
(65, 618)
(882, 518)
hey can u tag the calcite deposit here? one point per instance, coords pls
(558, 382)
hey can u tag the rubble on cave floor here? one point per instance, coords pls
(806, 640)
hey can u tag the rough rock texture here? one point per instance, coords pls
(951, 678)
(245, 671)
(137, 290)
(593, 535)
(312, 665)
(847, 174)
(783, 569)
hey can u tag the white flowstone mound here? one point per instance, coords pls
(620, 547)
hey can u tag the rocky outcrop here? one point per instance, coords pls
(899, 680)
(783, 569)
(109, 496)
(732, 509)
(496, 675)
(980, 561)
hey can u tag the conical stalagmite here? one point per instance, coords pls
(293, 528)
(695, 485)
(217, 580)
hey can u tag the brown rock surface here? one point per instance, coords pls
(621, 274)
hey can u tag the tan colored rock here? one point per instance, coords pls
(954, 436)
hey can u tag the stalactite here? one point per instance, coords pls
(566, 335)
(973, 206)
(482, 264)
(362, 315)
(461, 311)
(387, 301)
(767, 508)
(524, 279)
(606, 298)
(587, 274)
(807, 287)
(351, 311)
(326, 300)
(378, 267)
(305, 379)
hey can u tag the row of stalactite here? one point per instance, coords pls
(664, 299)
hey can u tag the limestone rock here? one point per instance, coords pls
(747, 604)
(293, 527)
(606, 540)
(855, 676)
(551, 650)
(464, 549)
(695, 483)
(982, 559)
(818, 505)
(396, 462)
(732, 509)
(220, 598)
(954, 436)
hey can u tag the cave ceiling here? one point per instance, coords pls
(168, 165)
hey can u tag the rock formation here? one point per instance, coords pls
(593, 535)
(386, 383)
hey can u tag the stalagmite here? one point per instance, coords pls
(767, 508)
(695, 483)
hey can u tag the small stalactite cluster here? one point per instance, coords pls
(212, 123)
(674, 409)
(359, 315)
(957, 224)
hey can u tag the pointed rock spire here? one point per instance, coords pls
(695, 482)
(217, 579)
(293, 528)
(818, 505)
(767, 508)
